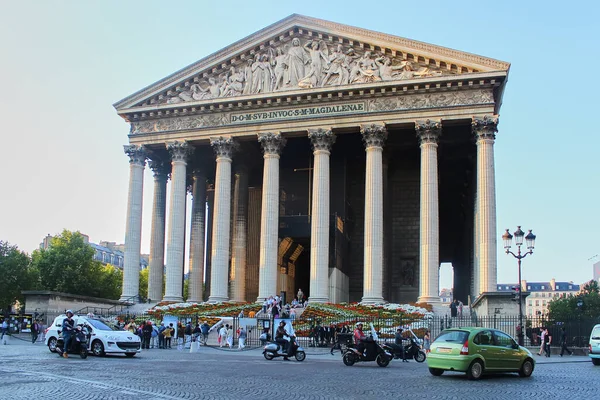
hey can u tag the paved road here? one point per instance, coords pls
(30, 371)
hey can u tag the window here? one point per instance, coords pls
(543, 294)
(544, 303)
(506, 287)
(530, 303)
(570, 287)
(557, 287)
(543, 287)
(503, 340)
(537, 303)
(528, 287)
(452, 336)
(483, 338)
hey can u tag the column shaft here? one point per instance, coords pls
(157, 238)
(429, 246)
(221, 221)
(240, 226)
(272, 143)
(374, 137)
(176, 235)
(321, 140)
(133, 228)
(196, 265)
(485, 131)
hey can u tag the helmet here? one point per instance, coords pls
(69, 311)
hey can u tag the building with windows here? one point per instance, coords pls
(446, 296)
(541, 293)
(105, 252)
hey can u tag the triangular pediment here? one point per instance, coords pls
(299, 53)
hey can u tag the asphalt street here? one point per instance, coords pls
(29, 371)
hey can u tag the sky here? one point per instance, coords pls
(64, 63)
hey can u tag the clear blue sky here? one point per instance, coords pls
(64, 63)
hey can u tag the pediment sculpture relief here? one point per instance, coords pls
(296, 65)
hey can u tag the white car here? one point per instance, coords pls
(106, 338)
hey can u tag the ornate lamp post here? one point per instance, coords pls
(530, 239)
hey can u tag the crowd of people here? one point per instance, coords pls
(161, 336)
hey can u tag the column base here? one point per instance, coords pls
(195, 300)
(372, 300)
(218, 299)
(173, 299)
(429, 299)
(318, 300)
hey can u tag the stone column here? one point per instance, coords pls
(196, 275)
(157, 238)
(223, 148)
(321, 140)
(485, 130)
(180, 151)
(240, 226)
(272, 144)
(428, 133)
(374, 138)
(133, 228)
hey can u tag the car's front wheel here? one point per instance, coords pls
(526, 369)
(130, 354)
(596, 361)
(52, 344)
(475, 370)
(98, 348)
(436, 371)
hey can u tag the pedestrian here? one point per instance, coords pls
(230, 337)
(398, 341)
(563, 342)
(547, 342)
(154, 341)
(180, 336)
(427, 341)
(460, 308)
(35, 331)
(242, 338)
(161, 335)
(4, 330)
(205, 328)
(223, 335)
(542, 342)
(168, 333)
(454, 308)
(147, 335)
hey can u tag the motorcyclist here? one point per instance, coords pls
(68, 331)
(398, 341)
(359, 337)
(280, 335)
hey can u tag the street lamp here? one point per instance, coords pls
(530, 242)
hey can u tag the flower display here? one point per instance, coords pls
(203, 309)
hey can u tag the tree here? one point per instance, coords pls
(591, 287)
(586, 304)
(15, 275)
(144, 283)
(68, 266)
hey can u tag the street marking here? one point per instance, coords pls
(90, 382)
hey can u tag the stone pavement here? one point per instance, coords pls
(30, 371)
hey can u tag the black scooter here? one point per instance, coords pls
(273, 350)
(412, 350)
(373, 352)
(79, 343)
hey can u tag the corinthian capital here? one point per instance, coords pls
(223, 147)
(428, 131)
(271, 143)
(137, 155)
(373, 135)
(160, 168)
(485, 128)
(180, 151)
(321, 139)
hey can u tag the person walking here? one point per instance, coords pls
(35, 331)
(454, 308)
(154, 341)
(242, 338)
(205, 328)
(230, 337)
(223, 335)
(161, 335)
(547, 342)
(542, 342)
(427, 341)
(563, 342)
(4, 330)
(167, 333)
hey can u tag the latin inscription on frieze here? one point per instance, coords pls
(295, 113)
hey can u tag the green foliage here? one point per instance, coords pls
(15, 275)
(186, 289)
(144, 283)
(566, 307)
(68, 266)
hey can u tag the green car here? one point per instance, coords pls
(477, 351)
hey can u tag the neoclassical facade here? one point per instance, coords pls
(345, 162)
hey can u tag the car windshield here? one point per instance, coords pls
(103, 325)
(452, 337)
(596, 333)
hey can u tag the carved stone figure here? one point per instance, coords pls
(386, 70)
(280, 68)
(365, 70)
(336, 63)
(297, 60)
(233, 84)
(248, 77)
(318, 53)
(262, 75)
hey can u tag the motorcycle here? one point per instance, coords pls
(411, 350)
(79, 343)
(273, 350)
(373, 352)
